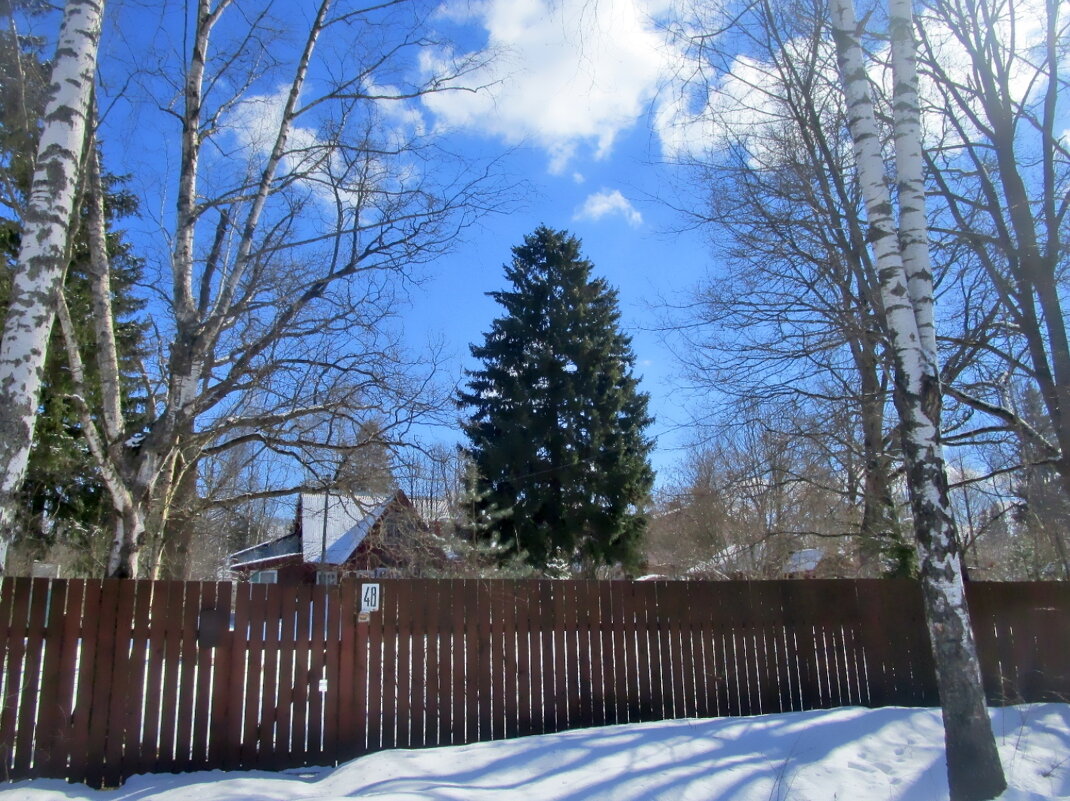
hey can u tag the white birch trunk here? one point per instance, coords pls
(901, 251)
(39, 275)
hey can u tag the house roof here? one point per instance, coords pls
(289, 545)
(334, 526)
(331, 529)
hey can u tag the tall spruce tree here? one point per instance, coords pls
(561, 470)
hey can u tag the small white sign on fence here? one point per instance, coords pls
(369, 598)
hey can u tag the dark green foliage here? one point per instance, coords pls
(561, 471)
(63, 497)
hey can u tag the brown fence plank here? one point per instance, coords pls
(560, 620)
(496, 654)
(119, 724)
(50, 705)
(31, 676)
(289, 610)
(697, 616)
(687, 653)
(524, 595)
(218, 724)
(268, 757)
(138, 757)
(507, 625)
(21, 589)
(170, 695)
(637, 600)
(765, 608)
(607, 666)
(623, 665)
(484, 675)
(299, 685)
(347, 678)
(315, 755)
(202, 709)
(403, 592)
(1052, 633)
(682, 694)
(60, 675)
(545, 720)
(102, 685)
(442, 618)
(658, 615)
(10, 697)
(418, 671)
(783, 654)
(331, 656)
(440, 623)
(254, 651)
(459, 706)
(10, 684)
(589, 680)
(701, 615)
(78, 731)
(187, 684)
(433, 673)
(391, 646)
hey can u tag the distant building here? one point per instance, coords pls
(804, 563)
(336, 535)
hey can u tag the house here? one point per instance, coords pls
(336, 535)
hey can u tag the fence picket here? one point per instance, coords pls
(460, 708)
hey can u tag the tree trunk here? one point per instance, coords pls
(38, 277)
(902, 261)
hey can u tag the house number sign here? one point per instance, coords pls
(369, 598)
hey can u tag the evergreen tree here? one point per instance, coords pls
(561, 470)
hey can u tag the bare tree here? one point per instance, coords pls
(1001, 168)
(901, 255)
(793, 319)
(749, 498)
(302, 200)
(43, 254)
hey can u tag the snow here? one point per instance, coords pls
(849, 753)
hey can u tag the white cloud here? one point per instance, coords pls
(604, 203)
(569, 75)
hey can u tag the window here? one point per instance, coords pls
(264, 577)
(327, 577)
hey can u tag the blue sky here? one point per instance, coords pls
(579, 89)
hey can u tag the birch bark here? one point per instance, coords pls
(41, 264)
(901, 253)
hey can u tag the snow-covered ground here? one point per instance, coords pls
(846, 754)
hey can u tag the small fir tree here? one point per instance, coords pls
(560, 459)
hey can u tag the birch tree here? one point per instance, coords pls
(901, 256)
(304, 197)
(792, 322)
(43, 253)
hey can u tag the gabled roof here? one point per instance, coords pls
(334, 526)
(331, 528)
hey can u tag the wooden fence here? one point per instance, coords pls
(105, 679)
